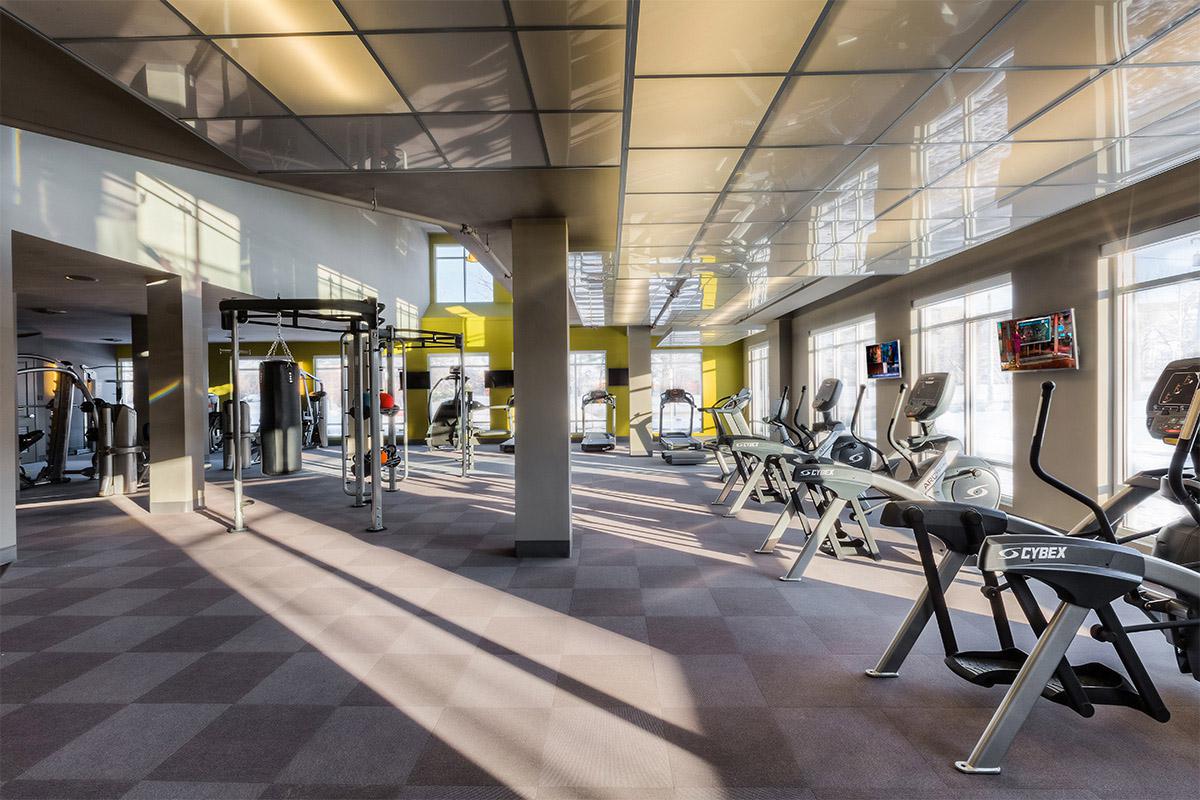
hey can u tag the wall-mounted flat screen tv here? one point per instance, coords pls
(883, 359)
(1043, 342)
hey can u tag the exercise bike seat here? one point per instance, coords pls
(961, 527)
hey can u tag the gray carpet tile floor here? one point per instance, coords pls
(161, 657)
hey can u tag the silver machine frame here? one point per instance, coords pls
(419, 339)
(361, 321)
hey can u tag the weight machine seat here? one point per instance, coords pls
(952, 523)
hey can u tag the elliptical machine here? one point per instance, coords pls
(443, 431)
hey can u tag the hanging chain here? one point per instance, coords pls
(279, 342)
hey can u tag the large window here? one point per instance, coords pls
(458, 277)
(477, 365)
(958, 335)
(676, 369)
(840, 352)
(125, 380)
(587, 371)
(248, 387)
(757, 361)
(328, 370)
(1158, 321)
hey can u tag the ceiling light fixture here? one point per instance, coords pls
(156, 282)
(44, 310)
(82, 278)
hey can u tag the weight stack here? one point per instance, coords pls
(281, 428)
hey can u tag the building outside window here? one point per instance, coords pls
(248, 387)
(758, 358)
(587, 371)
(459, 277)
(958, 334)
(477, 365)
(1157, 320)
(840, 352)
(676, 369)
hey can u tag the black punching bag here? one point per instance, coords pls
(280, 427)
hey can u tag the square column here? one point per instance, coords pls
(139, 329)
(8, 408)
(641, 403)
(178, 389)
(541, 324)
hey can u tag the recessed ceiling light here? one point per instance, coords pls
(82, 278)
(156, 281)
(50, 310)
(111, 339)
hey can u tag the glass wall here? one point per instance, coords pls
(458, 277)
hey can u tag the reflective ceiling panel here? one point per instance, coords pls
(982, 106)
(238, 17)
(1076, 32)
(317, 74)
(901, 34)
(270, 144)
(70, 18)
(455, 71)
(698, 112)
(770, 144)
(842, 109)
(393, 142)
(582, 139)
(487, 140)
(392, 14)
(568, 12)
(716, 36)
(649, 208)
(183, 77)
(678, 170)
(578, 70)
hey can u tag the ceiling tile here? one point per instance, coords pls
(1129, 160)
(841, 109)
(901, 166)
(318, 74)
(384, 14)
(583, 139)
(1119, 103)
(678, 170)
(394, 142)
(761, 206)
(1070, 32)
(698, 112)
(568, 12)
(67, 18)
(657, 208)
(278, 143)
(1181, 44)
(183, 77)
(581, 69)
(487, 140)
(901, 34)
(672, 235)
(983, 106)
(736, 232)
(773, 169)
(717, 36)
(1023, 163)
(216, 17)
(455, 71)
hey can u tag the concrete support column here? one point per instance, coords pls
(540, 363)
(139, 330)
(641, 403)
(8, 409)
(779, 357)
(178, 387)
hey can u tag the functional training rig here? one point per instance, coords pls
(416, 339)
(360, 321)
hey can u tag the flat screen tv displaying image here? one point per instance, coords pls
(1042, 342)
(883, 359)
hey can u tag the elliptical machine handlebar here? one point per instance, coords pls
(1185, 444)
(1035, 464)
(891, 431)
(806, 438)
(862, 390)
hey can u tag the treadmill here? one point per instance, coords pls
(604, 440)
(680, 448)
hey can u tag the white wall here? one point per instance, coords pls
(230, 233)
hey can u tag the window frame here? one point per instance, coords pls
(575, 412)
(968, 323)
(464, 265)
(859, 342)
(1114, 257)
(758, 355)
(656, 392)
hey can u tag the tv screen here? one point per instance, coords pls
(883, 359)
(1042, 342)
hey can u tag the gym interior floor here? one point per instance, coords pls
(160, 657)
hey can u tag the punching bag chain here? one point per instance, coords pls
(279, 342)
